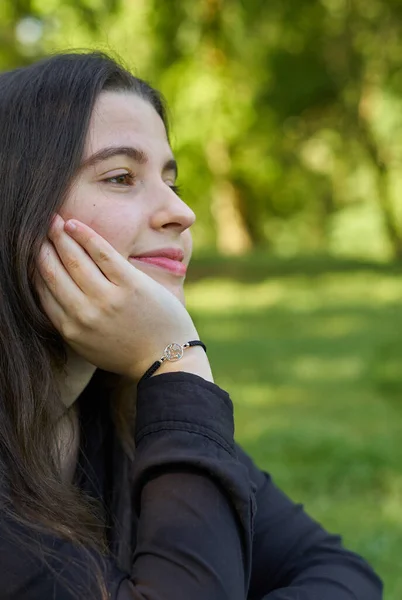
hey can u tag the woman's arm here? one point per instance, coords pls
(294, 558)
(193, 497)
(193, 500)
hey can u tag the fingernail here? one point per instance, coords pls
(70, 226)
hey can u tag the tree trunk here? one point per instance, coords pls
(383, 193)
(380, 162)
(388, 212)
(232, 235)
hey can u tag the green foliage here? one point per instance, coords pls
(26, 24)
(296, 105)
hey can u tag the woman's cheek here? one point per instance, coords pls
(118, 227)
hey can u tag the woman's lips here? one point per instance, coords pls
(173, 266)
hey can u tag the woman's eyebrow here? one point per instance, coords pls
(134, 153)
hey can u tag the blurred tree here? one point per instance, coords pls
(287, 116)
(333, 67)
(24, 25)
(287, 104)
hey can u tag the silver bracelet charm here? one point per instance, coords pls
(174, 352)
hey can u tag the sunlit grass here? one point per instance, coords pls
(313, 364)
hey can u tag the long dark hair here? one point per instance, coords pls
(45, 110)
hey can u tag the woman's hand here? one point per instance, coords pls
(114, 315)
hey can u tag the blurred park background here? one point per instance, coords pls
(286, 122)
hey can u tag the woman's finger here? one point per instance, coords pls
(110, 262)
(78, 264)
(59, 283)
(52, 308)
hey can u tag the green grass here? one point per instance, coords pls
(312, 358)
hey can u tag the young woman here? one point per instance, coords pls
(112, 484)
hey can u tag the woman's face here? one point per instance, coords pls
(124, 187)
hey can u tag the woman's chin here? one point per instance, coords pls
(176, 290)
(170, 282)
(173, 284)
(181, 296)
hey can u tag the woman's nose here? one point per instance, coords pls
(171, 212)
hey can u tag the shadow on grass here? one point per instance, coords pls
(258, 266)
(273, 344)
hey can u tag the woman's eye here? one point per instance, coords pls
(122, 179)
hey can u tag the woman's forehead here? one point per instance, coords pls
(125, 119)
(126, 111)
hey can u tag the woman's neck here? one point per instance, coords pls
(77, 374)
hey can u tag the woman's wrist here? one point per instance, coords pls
(194, 361)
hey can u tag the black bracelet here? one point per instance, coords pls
(173, 352)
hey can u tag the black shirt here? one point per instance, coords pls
(191, 518)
